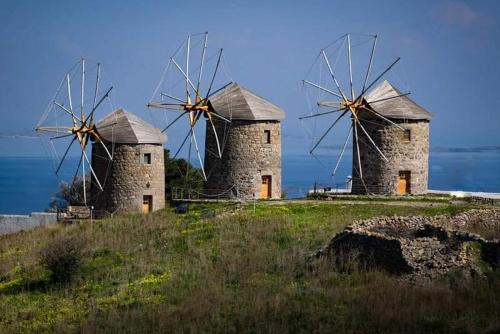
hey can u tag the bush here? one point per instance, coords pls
(62, 257)
(69, 194)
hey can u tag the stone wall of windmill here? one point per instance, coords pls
(135, 180)
(251, 159)
(406, 147)
(405, 151)
(247, 156)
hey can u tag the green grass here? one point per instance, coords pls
(245, 272)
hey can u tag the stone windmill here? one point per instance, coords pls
(136, 179)
(390, 133)
(405, 169)
(251, 160)
(68, 126)
(194, 73)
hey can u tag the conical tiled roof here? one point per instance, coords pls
(123, 127)
(399, 108)
(238, 103)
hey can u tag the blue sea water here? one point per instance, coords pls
(467, 171)
(27, 183)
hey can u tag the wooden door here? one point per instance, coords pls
(147, 203)
(265, 190)
(404, 182)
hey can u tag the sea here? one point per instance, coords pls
(28, 183)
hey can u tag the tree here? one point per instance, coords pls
(181, 174)
(69, 194)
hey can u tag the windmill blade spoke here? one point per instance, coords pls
(76, 171)
(68, 85)
(370, 62)
(322, 113)
(216, 136)
(99, 138)
(383, 117)
(219, 116)
(342, 152)
(106, 149)
(182, 145)
(329, 104)
(389, 98)
(357, 150)
(215, 73)
(64, 156)
(333, 76)
(371, 140)
(71, 113)
(54, 129)
(96, 89)
(202, 63)
(218, 90)
(90, 116)
(82, 89)
(187, 67)
(327, 131)
(198, 153)
(92, 170)
(350, 64)
(175, 120)
(161, 105)
(322, 88)
(378, 78)
(63, 136)
(173, 97)
(184, 74)
(84, 180)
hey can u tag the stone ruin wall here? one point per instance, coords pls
(246, 157)
(129, 179)
(379, 176)
(419, 246)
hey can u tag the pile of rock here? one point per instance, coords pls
(421, 246)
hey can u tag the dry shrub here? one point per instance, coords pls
(62, 257)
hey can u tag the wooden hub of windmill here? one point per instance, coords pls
(196, 107)
(353, 105)
(84, 129)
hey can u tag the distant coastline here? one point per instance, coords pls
(465, 149)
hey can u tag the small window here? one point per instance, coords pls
(267, 136)
(146, 159)
(407, 135)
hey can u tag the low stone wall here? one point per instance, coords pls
(421, 246)
(15, 223)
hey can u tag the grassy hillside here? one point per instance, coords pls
(239, 271)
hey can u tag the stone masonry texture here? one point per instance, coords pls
(128, 178)
(380, 176)
(420, 246)
(246, 158)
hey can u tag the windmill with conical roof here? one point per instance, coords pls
(390, 132)
(136, 178)
(250, 165)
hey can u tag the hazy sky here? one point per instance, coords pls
(450, 54)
